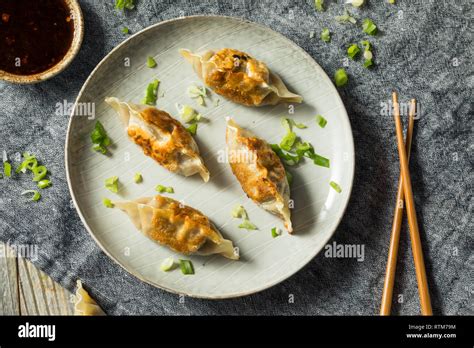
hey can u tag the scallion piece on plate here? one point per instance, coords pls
(151, 93)
(42, 184)
(246, 224)
(137, 178)
(7, 169)
(275, 232)
(335, 186)
(151, 62)
(320, 160)
(36, 195)
(326, 35)
(186, 267)
(321, 121)
(192, 129)
(239, 212)
(99, 138)
(107, 203)
(353, 50)
(340, 77)
(168, 264)
(162, 189)
(187, 113)
(112, 184)
(369, 27)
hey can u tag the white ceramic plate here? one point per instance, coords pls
(265, 261)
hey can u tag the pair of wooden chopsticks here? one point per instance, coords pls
(405, 194)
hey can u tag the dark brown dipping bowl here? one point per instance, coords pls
(78, 20)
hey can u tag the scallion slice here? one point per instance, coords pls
(275, 232)
(352, 51)
(335, 186)
(246, 224)
(137, 178)
(125, 30)
(36, 195)
(107, 203)
(151, 62)
(186, 267)
(192, 129)
(369, 27)
(7, 169)
(168, 264)
(320, 160)
(355, 3)
(162, 189)
(326, 35)
(112, 184)
(319, 5)
(44, 184)
(100, 138)
(151, 93)
(321, 121)
(39, 173)
(239, 212)
(340, 77)
(346, 18)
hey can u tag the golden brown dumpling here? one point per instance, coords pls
(259, 171)
(240, 77)
(161, 137)
(179, 227)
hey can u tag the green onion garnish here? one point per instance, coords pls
(335, 186)
(369, 27)
(326, 35)
(124, 4)
(321, 121)
(288, 141)
(192, 129)
(188, 114)
(247, 225)
(391, 2)
(39, 172)
(287, 158)
(319, 5)
(239, 212)
(320, 160)
(44, 184)
(289, 177)
(195, 91)
(7, 169)
(275, 232)
(29, 163)
(112, 184)
(346, 18)
(36, 194)
(352, 51)
(137, 178)
(167, 264)
(151, 62)
(151, 93)
(186, 267)
(161, 189)
(355, 3)
(99, 138)
(340, 77)
(125, 30)
(107, 203)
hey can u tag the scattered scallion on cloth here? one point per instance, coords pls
(355, 3)
(335, 186)
(7, 169)
(112, 184)
(107, 203)
(319, 4)
(125, 30)
(346, 18)
(151, 93)
(353, 50)
(151, 62)
(369, 27)
(36, 195)
(44, 184)
(321, 121)
(162, 189)
(186, 267)
(340, 77)
(99, 138)
(368, 56)
(326, 35)
(39, 173)
(124, 4)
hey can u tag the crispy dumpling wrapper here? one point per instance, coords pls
(240, 77)
(177, 226)
(259, 170)
(84, 304)
(161, 137)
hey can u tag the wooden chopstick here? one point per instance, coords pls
(387, 293)
(417, 251)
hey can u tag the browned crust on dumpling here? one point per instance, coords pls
(182, 228)
(238, 77)
(166, 153)
(260, 187)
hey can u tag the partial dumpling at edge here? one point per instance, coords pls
(161, 137)
(259, 171)
(239, 77)
(177, 226)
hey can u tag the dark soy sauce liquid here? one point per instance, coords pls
(34, 35)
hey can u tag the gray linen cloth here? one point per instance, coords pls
(423, 50)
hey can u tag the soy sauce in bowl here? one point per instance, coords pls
(35, 35)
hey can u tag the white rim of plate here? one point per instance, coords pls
(131, 271)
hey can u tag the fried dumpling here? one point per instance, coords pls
(177, 226)
(240, 77)
(259, 170)
(161, 137)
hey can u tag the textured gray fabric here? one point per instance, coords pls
(423, 50)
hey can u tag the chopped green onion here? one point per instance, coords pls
(39, 172)
(320, 160)
(195, 91)
(346, 18)
(326, 35)
(107, 203)
(161, 189)
(391, 2)
(319, 5)
(239, 212)
(151, 62)
(125, 30)
(186, 267)
(275, 232)
(246, 224)
(297, 125)
(366, 45)
(352, 51)
(321, 121)
(288, 141)
(151, 93)
(340, 77)
(7, 169)
(369, 27)
(287, 158)
(335, 186)
(303, 148)
(289, 177)
(355, 3)
(44, 184)
(137, 178)
(99, 138)
(187, 113)
(112, 183)
(124, 4)
(36, 194)
(368, 56)
(192, 129)
(368, 63)
(167, 264)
